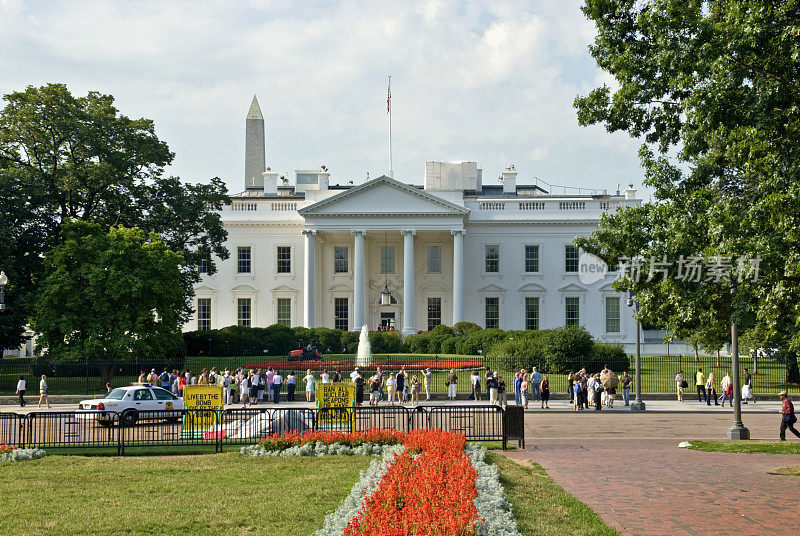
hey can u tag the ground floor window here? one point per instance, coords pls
(340, 314)
(572, 311)
(434, 312)
(531, 313)
(492, 312)
(243, 312)
(284, 315)
(203, 314)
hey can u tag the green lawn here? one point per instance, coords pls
(541, 507)
(221, 494)
(789, 471)
(748, 447)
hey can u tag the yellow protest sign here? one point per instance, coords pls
(335, 402)
(201, 397)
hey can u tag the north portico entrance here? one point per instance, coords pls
(384, 234)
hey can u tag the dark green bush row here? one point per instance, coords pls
(558, 350)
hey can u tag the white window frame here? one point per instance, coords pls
(428, 259)
(564, 259)
(292, 260)
(525, 259)
(580, 308)
(252, 271)
(349, 264)
(499, 309)
(499, 259)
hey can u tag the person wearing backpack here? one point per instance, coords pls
(164, 379)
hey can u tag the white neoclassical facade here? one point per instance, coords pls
(389, 253)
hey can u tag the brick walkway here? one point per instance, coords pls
(644, 485)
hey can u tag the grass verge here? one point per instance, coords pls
(748, 447)
(542, 507)
(220, 494)
(789, 471)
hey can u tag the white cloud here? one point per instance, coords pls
(492, 82)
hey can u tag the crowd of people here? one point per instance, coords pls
(707, 388)
(597, 390)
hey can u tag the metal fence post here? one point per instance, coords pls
(505, 431)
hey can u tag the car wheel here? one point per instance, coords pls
(129, 418)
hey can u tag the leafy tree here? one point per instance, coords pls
(717, 83)
(109, 296)
(66, 158)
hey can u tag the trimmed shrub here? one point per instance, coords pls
(449, 345)
(465, 328)
(611, 354)
(348, 341)
(385, 342)
(565, 347)
(519, 353)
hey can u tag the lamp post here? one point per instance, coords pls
(737, 429)
(638, 403)
(3, 282)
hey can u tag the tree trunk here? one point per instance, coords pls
(718, 365)
(696, 353)
(106, 373)
(667, 348)
(792, 372)
(755, 362)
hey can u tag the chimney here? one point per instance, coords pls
(630, 193)
(509, 180)
(270, 183)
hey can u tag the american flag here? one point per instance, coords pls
(389, 97)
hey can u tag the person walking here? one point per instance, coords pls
(700, 383)
(626, 388)
(523, 389)
(727, 390)
(545, 387)
(516, 382)
(476, 386)
(277, 383)
(679, 385)
(22, 386)
(536, 380)
(310, 382)
(491, 388)
(291, 386)
(788, 418)
(414, 389)
(244, 390)
(428, 377)
(391, 385)
(43, 392)
(400, 386)
(747, 388)
(452, 381)
(711, 390)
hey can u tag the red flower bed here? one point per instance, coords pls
(428, 490)
(5, 449)
(354, 439)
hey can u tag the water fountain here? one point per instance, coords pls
(364, 356)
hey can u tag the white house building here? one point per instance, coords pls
(387, 252)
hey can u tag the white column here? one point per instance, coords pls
(458, 275)
(408, 282)
(358, 279)
(308, 279)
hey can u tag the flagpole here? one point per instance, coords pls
(389, 109)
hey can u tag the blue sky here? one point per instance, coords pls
(486, 81)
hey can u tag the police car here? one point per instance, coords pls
(125, 404)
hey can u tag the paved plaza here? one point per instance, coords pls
(627, 467)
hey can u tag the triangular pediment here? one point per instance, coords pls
(383, 196)
(284, 288)
(492, 288)
(572, 287)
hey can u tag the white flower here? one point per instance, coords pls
(22, 455)
(491, 501)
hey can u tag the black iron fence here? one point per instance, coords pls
(221, 428)
(769, 374)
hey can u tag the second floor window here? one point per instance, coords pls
(570, 258)
(492, 259)
(340, 260)
(434, 259)
(284, 260)
(243, 260)
(531, 259)
(387, 259)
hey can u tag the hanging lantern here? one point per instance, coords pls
(386, 296)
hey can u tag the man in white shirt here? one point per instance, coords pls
(725, 385)
(277, 381)
(324, 377)
(354, 375)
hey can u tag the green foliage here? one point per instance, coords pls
(66, 158)
(718, 83)
(465, 328)
(109, 296)
(611, 354)
(519, 353)
(564, 347)
(349, 341)
(385, 342)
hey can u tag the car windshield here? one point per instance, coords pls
(116, 394)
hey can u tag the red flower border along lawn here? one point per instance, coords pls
(429, 489)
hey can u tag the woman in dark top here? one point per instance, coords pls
(359, 381)
(400, 380)
(545, 391)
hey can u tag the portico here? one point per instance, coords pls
(360, 231)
